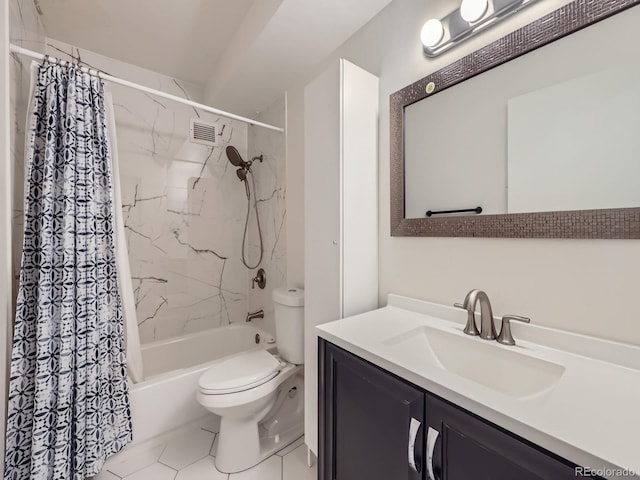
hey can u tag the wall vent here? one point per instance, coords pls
(203, 133)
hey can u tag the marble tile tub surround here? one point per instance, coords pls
(184, 207)
(189, 454)
(271, 195)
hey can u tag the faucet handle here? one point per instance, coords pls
(470, 328)
(505, 337)
(260, 279)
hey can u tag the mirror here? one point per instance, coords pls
(539, 145)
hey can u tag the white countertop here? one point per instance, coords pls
(591, 416)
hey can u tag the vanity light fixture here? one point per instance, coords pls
(431, 33)
(473, 16)
(473, 10)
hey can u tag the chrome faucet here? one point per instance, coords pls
(487, 328)
(254, 315)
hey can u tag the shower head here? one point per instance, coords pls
(242, 174)
(234, 157)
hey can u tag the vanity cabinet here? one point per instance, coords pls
(375, 425)
(365, 414)
(467, 447)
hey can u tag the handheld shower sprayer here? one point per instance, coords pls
(244, 168)
(234, 157)
(236, 160)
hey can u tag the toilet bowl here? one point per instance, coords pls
(259, 394)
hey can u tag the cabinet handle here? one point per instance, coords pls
(414, 428)
(432, 438)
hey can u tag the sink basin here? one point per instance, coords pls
(498, 367)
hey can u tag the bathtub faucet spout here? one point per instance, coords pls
(256, 314)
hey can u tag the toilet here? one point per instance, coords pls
(259, 394)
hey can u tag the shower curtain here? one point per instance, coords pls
(68, 407)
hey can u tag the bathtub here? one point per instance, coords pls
(166, 399)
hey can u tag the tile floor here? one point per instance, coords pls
(188, 454)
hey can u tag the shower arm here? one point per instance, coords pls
(260, 158)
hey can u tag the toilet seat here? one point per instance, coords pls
(239, 373)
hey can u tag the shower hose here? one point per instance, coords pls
(246, 222)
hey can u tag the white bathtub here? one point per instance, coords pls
(166, 399)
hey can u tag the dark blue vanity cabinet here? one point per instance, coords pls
(365, 414)
(374, 425)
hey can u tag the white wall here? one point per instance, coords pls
(295, 185)
(579, 285)
(5, 222)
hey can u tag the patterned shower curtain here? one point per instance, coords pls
(68, 397)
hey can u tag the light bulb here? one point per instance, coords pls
(473, 10)
(431, 33)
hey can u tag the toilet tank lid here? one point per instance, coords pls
(289, 296)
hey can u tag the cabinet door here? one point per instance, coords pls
(369, 420)
(467, 447)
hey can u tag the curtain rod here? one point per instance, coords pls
(39, 56)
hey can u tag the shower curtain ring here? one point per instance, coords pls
(49, 59)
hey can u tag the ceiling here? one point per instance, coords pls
(243, 53)
(180, 38)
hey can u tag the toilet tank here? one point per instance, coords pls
(289, 316)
